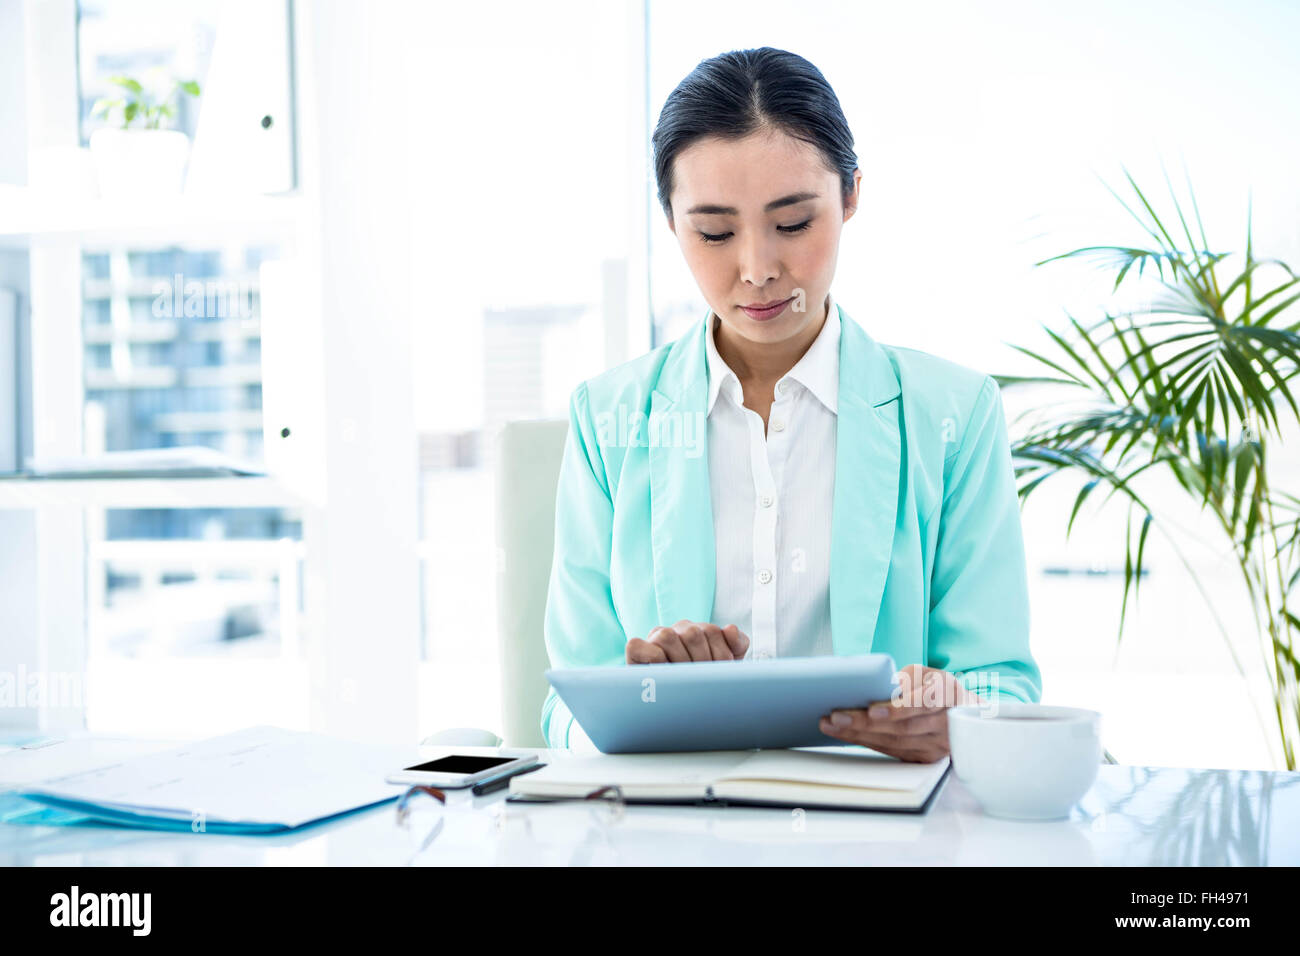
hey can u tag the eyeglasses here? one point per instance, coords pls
(611, 798)
(612, 795)
(404, 803)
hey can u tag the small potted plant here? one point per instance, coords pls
(136, 155)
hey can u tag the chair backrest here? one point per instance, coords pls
(527, 473)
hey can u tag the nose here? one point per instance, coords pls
(759, 263)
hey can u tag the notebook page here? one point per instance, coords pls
(865, 770)
(694, 771)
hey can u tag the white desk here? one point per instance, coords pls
(1132, 816)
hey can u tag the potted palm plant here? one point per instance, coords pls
(137, 155)
(1194, 383)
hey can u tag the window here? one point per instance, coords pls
(979, 130)
(141, 325)
(538, 257)
(534, 243)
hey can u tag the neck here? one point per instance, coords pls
(764, 362)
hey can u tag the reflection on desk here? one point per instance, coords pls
(1133, 816)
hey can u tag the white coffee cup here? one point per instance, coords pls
(1025, 761)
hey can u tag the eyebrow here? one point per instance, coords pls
(705, 209)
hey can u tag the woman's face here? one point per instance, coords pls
(759, 220)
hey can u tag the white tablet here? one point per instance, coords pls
(719, 705)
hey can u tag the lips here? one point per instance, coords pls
(768, 311)
(764, 306)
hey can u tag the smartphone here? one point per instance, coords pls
(460, 770)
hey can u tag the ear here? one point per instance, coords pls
(851, 204)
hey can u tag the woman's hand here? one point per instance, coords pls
(913, 725)
(688, 641)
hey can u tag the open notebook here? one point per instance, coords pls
(832, 777)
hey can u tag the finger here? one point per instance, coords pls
(737, 640)
(928, 746)
(930, 688)
(899, 709)
(643, 652)
(697, 645)
(856, 724)
(671, 642)
(892, 744)
(860, 722)
(910, 681)
(718, 647)
(927, 753)
(919, 726)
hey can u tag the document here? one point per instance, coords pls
(260, 780)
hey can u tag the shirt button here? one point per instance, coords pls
(778, 426)
(764, 655)
(766, 501)
(764, 576)
(781, 386)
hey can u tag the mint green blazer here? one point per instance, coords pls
(927, 555)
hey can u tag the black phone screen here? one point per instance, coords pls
(461, 763)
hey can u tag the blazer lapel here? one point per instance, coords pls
(681, 508)
(864, 508)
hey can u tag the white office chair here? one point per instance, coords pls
(528, 455)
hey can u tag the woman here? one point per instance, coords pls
(775, 483)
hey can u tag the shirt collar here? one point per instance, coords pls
(817, 369)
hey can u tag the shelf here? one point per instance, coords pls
(25, 216)
(250, 492)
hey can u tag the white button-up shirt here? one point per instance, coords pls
(772, 500)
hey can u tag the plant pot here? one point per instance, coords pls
(138, 163)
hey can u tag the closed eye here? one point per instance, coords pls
(711, 238)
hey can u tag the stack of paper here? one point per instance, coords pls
(261, 780)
